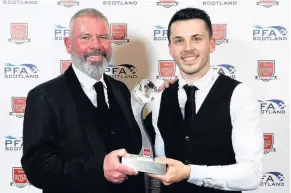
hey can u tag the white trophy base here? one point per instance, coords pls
(142, 164)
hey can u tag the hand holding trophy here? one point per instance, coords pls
(144, 92)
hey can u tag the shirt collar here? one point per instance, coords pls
(202, 82)
(85, 80)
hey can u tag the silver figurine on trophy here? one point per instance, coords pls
(144, 92)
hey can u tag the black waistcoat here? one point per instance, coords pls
(209, 142)
(115, 134)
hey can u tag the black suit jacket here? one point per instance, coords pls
(62, 151)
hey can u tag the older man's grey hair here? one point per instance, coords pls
(87, 12)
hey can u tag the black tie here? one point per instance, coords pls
(101, 103)
(190, 106)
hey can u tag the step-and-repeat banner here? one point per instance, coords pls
(252, 46)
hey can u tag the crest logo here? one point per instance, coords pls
(266, 70)
(167, 3)
(167, 69)
(268, 143)
(118, 33)
(19, 33)
(19, 178)
(18, 105)
(146, 152)
(267, 3)
(219, 33)
(68, 3)
(64, 65)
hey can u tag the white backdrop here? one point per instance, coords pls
(253, 48)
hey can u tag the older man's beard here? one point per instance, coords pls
(93, 69)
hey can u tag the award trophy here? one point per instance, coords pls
(143, 93)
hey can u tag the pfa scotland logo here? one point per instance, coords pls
(267, 3)
(122, 71)
(160, 33)
(268, 143)
(266, 70)
(68, 3)
(269, 33)
(61, 32)
(19, 178)
(167, 3)
(119, 33)
(13, 144)
(19, 33)
(64, 65)
(272, 179)
(18, 105)
(272, 106)
(20, 71)
(225, 69)
(167, 69)
(219, 33)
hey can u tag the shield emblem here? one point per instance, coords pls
(118, 31)
(268, 141)
(167, 1)
(267, 3)
(266, 68)
(19, 31)
(68, 3)
(19, 176)
(18, 104)
(167, 68)
(65, 65)
(219, 31)
(146, 152)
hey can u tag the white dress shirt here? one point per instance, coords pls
(247, 138)
(87, 84)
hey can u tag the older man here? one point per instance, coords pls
(78, 125)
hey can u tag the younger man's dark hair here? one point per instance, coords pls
(190, 13)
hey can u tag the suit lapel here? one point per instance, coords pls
(136, 135)
(74, 85)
